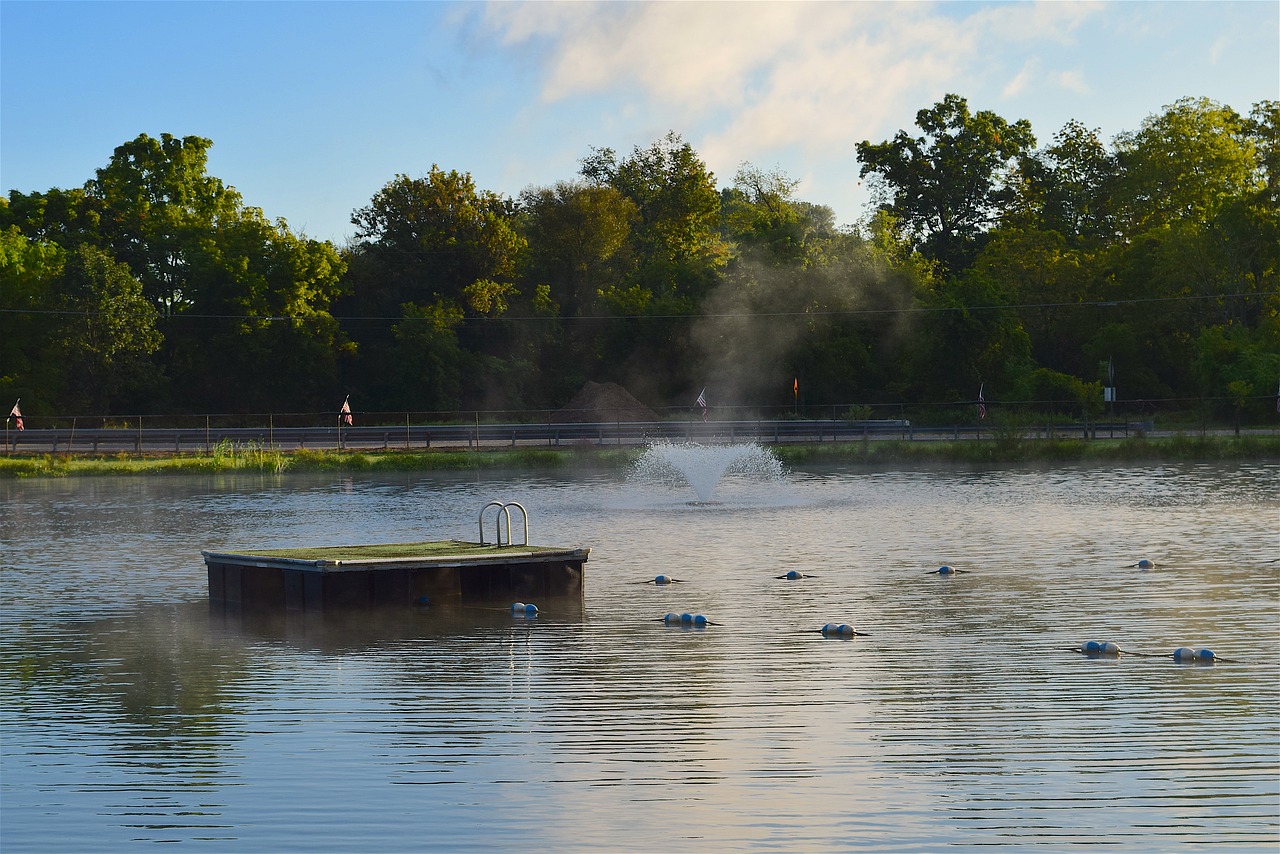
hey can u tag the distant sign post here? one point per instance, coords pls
(1109, 393)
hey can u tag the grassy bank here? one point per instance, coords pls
(1003, 450)
(868, 453)
(271, 461)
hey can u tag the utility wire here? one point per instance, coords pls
(715, 316)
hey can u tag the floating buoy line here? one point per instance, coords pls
(1092, 649)
(1183, 654)
(840, 630)
(686, 619)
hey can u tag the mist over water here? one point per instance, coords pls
(761, 311)
(961, 719)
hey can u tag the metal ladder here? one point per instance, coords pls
(504, 509)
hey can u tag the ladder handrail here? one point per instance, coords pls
(504, 508)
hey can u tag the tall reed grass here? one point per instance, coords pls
(1002, 447)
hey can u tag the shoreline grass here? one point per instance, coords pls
(871, 453)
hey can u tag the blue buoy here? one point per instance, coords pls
(661, 579)
(1110, 648)
(1092, 648)
(841, 630)
(1184, 653)
(792, 575)
(1205, 655)
(673, 619)
(1145, 564)
(517, 606)
(945, 570)
(424, 600)
(531, 608)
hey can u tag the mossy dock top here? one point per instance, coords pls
(437, 553)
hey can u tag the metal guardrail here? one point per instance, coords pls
(411, 437)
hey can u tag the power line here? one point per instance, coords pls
(715, 316)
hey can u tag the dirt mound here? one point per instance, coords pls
(601, 402)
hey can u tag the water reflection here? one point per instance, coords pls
(133, 717)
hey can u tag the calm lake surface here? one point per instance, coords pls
(962, 719)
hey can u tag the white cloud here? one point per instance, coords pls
(794, 83)
(1019, 83)
(1073, 81)
(1220, 44)
(756, 77)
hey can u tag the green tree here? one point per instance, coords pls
(439, 245)
(947, 186)
(678, 254)
(156, 203)
(1067, 187)
(107, 331)
(236, 291)
(1048, 279)
(676, 239)
(578, 237)
(262, 298)
(1184, 164)
(760, 215)
(437, 237)
(969, 336)
(430, 366)
(29, 273)
(64, 217)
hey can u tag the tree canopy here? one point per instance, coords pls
(1036, 273)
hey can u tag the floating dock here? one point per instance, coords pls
(396, 574)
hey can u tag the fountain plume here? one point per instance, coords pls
(703, 466)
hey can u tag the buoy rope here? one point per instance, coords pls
(1117, 653)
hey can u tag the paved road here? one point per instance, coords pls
(417, 437)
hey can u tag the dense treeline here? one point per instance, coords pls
(989, 262)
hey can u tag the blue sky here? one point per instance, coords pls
(314, 106)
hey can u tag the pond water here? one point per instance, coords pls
(962, 717)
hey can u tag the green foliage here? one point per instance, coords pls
(948, 184)
(29, 271)
(1184, 164)
(108, 329)
(579, 241)
(154, 288)
(434, 251)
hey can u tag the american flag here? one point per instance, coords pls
(982, 402)
(16, 414)
(344, 414)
